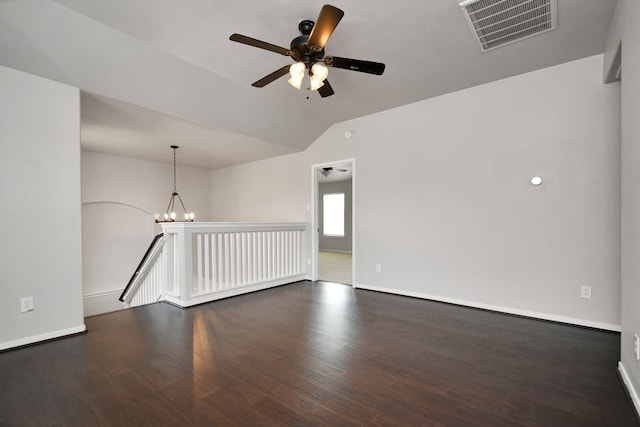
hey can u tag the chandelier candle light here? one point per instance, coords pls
(170, 214)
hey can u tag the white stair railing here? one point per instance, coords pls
(201, 262)
(148, 282)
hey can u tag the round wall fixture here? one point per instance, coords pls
(536, 180)
(348, 134)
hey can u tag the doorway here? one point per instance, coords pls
(333, 221)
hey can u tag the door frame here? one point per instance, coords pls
(315, 220)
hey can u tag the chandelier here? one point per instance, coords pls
(170, 213)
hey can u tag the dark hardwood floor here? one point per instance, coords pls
(317, 354)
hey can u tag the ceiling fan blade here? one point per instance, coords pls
(259, 44)
(271, 77)
(355, 65)
(325, 24)
(326, 89)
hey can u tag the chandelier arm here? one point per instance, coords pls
(169, 205)
(180, 198)
(173, 202)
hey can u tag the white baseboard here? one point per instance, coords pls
(629, 386)
(201, 299)
(42, 337)
(508, 310)
(102, 302)
(335, 250)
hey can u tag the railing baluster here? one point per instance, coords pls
(266, 255)
(197, 283)
(254, 259)
(220, 263)
(263, 275)
(280, 253)
(212, 261)
(243, 239)
(272, 253)
(277, 257)
(204, 288)
(239, 265)
(233, 255)
(287, 258)
(296, 256)
(302, 262)
(256, 256)
(248, 255)
(225, 267)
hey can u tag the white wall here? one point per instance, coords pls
(119, 197)
(444, 201)
(626, 27)
(270, 190)
(40, 249)
(461, 207)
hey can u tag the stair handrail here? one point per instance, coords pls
(138, 275)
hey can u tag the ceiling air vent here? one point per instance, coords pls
(499, 22)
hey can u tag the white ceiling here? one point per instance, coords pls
(160, 72)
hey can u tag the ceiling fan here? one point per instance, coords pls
(329, 170)
(307, 51)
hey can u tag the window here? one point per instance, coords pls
(333, 214)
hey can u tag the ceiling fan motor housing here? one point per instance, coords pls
(305, 26)
(300, 48)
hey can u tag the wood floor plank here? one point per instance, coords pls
(315, 353)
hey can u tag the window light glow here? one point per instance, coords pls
(333, 214)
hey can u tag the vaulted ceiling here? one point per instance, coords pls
(160, 72)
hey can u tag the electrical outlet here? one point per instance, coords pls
(585, 292)
(26, 304)
(378, 268)
(636, 346)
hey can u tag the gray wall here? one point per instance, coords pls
(471, 227)
(41, 245)
(626, 27)
(334, 243)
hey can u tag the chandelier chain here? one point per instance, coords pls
(174, 171)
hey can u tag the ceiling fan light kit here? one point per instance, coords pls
(297, 74)
(317, 76)
(307, 50)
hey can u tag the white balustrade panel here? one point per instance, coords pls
(202, 262)
(230, 259)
